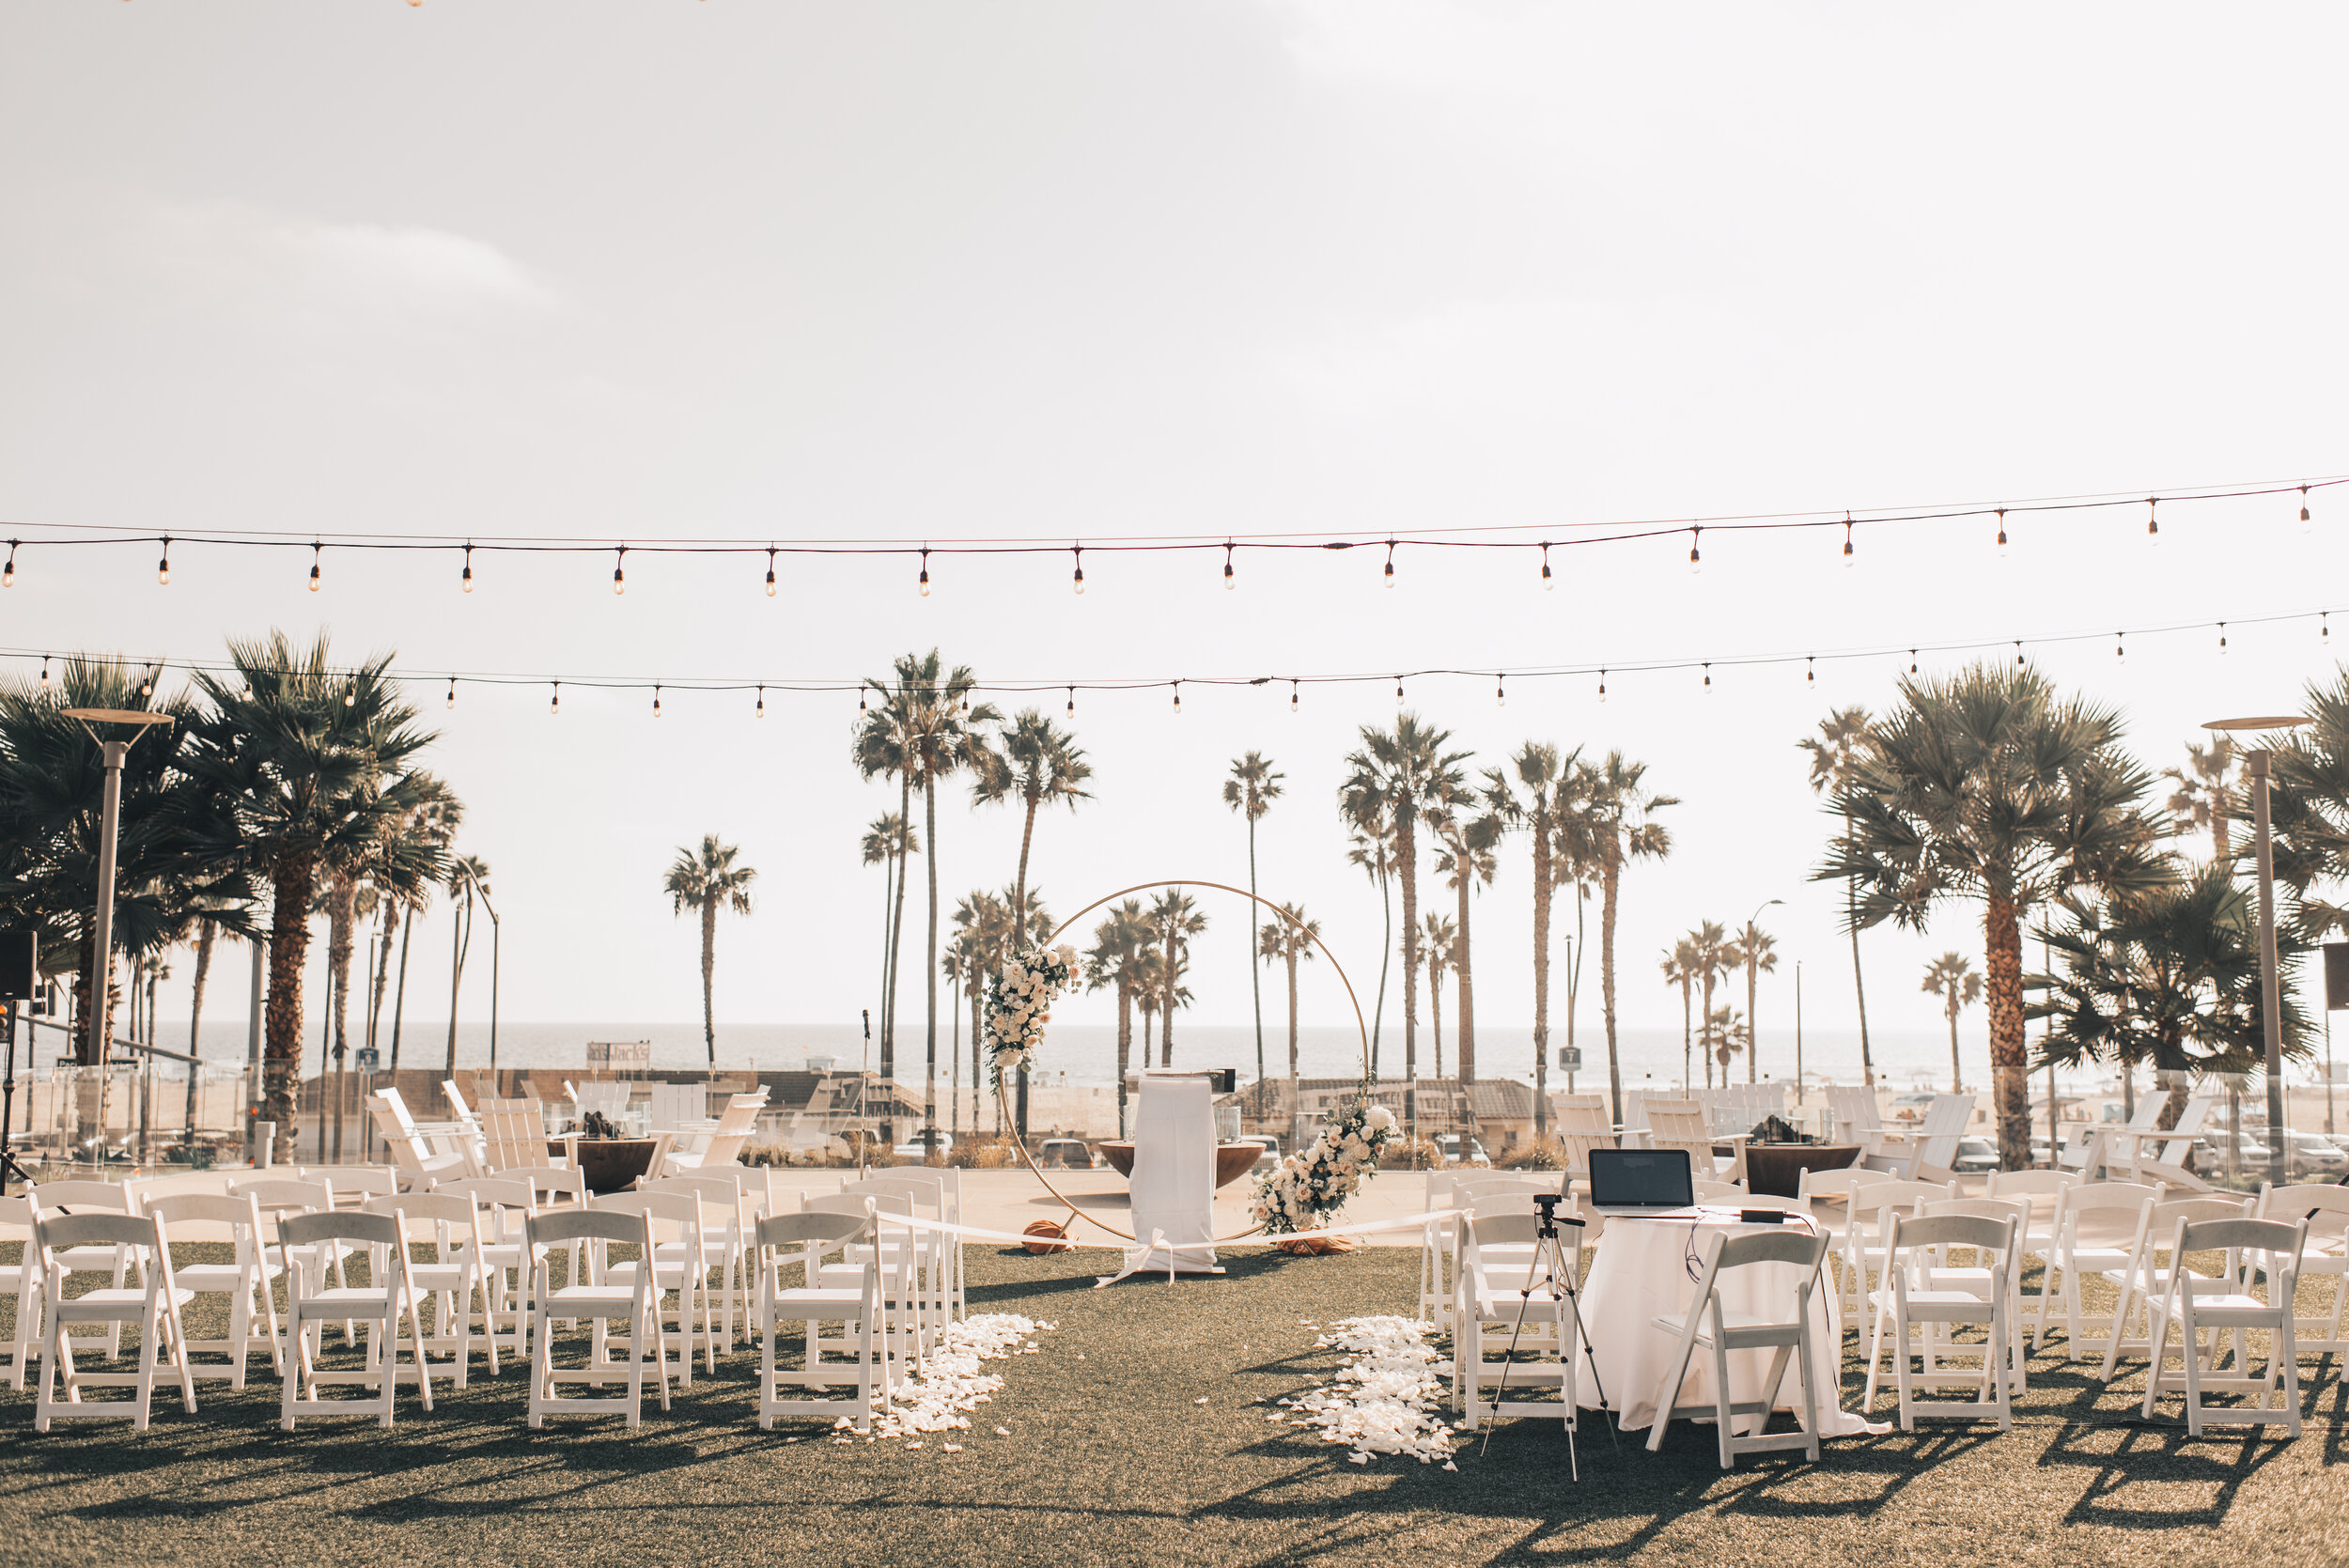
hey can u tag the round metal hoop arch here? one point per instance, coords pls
(1012, 1126)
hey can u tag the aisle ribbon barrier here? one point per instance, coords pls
(1065, 1244)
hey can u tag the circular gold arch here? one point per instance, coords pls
(1011, 1123)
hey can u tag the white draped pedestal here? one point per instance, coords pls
(1173, 1178)
(1644, 1270)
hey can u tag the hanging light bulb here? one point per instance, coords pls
(1708, 680)
(1547, 582)
(1072, 702)
(2324, 630)
(2305, 524)
(1389, 563)
(860, 699)
(2153, 523)
(770, 571)
(2222, 638)
(1810, 672)
(146, 683)
(315, 558)
(466, 579)
(1696, 557)
(966, 702)
(2018, 652)
(1602, 685)
(452, 691)
(656, 700)
(1501, 693)
(1078, 583)
(2002, 533)
(350, 691)
(162, 567)
(762, 703)
(2120, 649)
(1848, 552)
(619, 571)
(556, 705)
(1229, 580)
(1398, 691)
(926, 571)
(7, 575)
(1292, 696)
(1912, 662)
(44, 672)
(1178, 699)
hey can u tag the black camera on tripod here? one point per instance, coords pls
(1545, 1206)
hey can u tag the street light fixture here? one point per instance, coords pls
(2257, 767)
(109, 825)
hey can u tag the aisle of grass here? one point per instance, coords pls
(1110, 1460)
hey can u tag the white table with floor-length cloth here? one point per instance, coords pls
(1643, 1269)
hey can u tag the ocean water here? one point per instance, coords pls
(1087, 1053)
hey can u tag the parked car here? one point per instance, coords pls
(2311, 1155)
(1461, 1149)
(924, 1142)
(2210, 1151)
(1064, 1154)
(1976, 1156)
(1272, 1147)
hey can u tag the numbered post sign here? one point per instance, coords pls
(1570, 1059)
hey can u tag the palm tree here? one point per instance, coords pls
(1466, 858)
(2205, 787)
(1834, 751)
(887, 842)
(1990, 787)
(313, 764)
(468, 882)
(1251, 790)
(1542, 815)
(927, 716)
(1370, 842)
(1291, 941)
(1725, 1033)
(1120, 957)
(1038, 764)
(1408, 774)
(1618, 824)
(707, 880)
(885, 745)
(1442, 938)
(1680, 965)
(1756, 952)
(1952, 978)
(1710, 943)
(1175, 918)
(432, 827)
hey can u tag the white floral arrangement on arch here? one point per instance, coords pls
(1020, 1004)
(1308, 1189)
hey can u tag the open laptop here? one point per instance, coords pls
(1652, 1184)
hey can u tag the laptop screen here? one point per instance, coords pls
(1641, 1178)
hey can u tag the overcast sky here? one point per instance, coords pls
(1076, 271)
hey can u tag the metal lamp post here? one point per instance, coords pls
(109, 826)
(1754, 1030)
(2258, 766)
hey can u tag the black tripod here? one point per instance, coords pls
(1558, 1278)
(8, 1167)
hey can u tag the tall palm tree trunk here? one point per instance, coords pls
(1255, 971)
(709, 968)
(1957, 1073)
(896, 941)
(1859, 988)
(1463, 989)
(288, 951)
(971, 996)
(1125, 1047)
(929, 965)
(204, 940)
(1020, 938)
(1406, 858)
(1707, 1014)
(889, 872)
(1290, 947)
(1753, 1029)
(1386, 952)
(1434, 1015)
(1174, 981)
(342, 898)
(2010, 1089)
(1687, 1033)
(399, 993)
(459, 938)
(1541, 984)
(1610, 879)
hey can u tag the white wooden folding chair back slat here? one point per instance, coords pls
(246, 1281)
(2094, 1229)
(1829, 1194)
(574, 1230)
(385, 1305)
(450, 1224)
(725, 1243)
(847, 1293)
(2234, 1307)
(2325, 1255)
(677, 1265)
(1492, 1282)
(2146, 1276)
(1913, 1298)
(89, 1197)
(505, 1204)
(605, 1098)
(152, 1307)
(1708, 1324)
(21, 1280)
(1870, 1209)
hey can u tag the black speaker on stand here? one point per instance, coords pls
(19, 963)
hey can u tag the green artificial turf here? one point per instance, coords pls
(1110, 1460)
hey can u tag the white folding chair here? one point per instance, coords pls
(247, 1281)
(631, 1303)
(676, 1265)
(947, 1179)
(2041, 1193)
(2232, 1307)
(351, 1185)
(1942, 1273)
(933, 1253)
(896, 1253)
(277, 1196)
(725, 1242)
(2147, 1277)
(2325, 1209)
(452, 1224)
(1491, 1296)
(384, 1304)
(2095, 1229)
(1834, 1188)
(1710, 1325)
(505, 1204)
(1870, 1218)
(86, 1197)
(828, 1295)
(21, 1280)
(152, 1308)
(1910, 1299)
